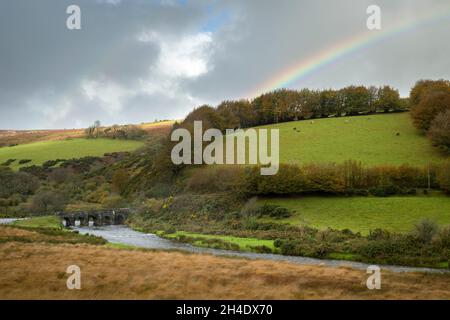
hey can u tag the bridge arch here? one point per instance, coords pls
(107, 219)
(93, 220)
(120, 218)
(66, 222)
(96, 218)
(79, 219)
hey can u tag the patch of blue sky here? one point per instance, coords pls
(215, 21)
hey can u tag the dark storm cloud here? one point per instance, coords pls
(43, 65)
(135, 61)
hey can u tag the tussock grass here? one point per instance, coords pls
(37, 271)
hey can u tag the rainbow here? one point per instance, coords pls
(308, 66)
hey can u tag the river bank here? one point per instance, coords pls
(34, 263)
(127, 236)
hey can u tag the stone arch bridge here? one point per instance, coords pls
(96, 218)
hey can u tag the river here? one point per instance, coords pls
(125, 235)
(9, 220)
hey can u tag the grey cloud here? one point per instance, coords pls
(46, 69)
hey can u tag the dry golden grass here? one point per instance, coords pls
(11, 234)
(162, 127)
(11, 137)
(37, 271)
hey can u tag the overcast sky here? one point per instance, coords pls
(136, 61)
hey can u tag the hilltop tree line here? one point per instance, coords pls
(429, 103)
(124, 132)
(292, 105)
(430, 110)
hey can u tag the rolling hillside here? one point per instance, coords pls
(374, 140)
(42, 151)
(43, 145)
(14, 137)
(362, 214)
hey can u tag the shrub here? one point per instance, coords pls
(378, 249)
(320, 250)
(214, 179)
(253, 224)
(23, 161)
(170, 230)
(97, 196)
(45, 202)
(153, 205)
(250, 208)
(59, 175)
(261, 249)
(8, 162)
(425, 230)
(439, 132)
(278, 243)
(37, 171)
(116, 132)
(384, 190)
(348, 178)
(160, 190)
(443, 238)
(379, 234)
(16, 182)
(120, 180)
(51, 163)
(443, 177)
(115, 201)
(333, 236)
(290, 248)
(273, 211)
(429, 98)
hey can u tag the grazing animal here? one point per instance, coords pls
(398, 133)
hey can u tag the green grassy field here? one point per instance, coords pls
(39, 222)
(361, 214)
(245, 244)
(39, 152)
(371, 139)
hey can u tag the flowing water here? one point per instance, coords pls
(127, 236)
(9, 220)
